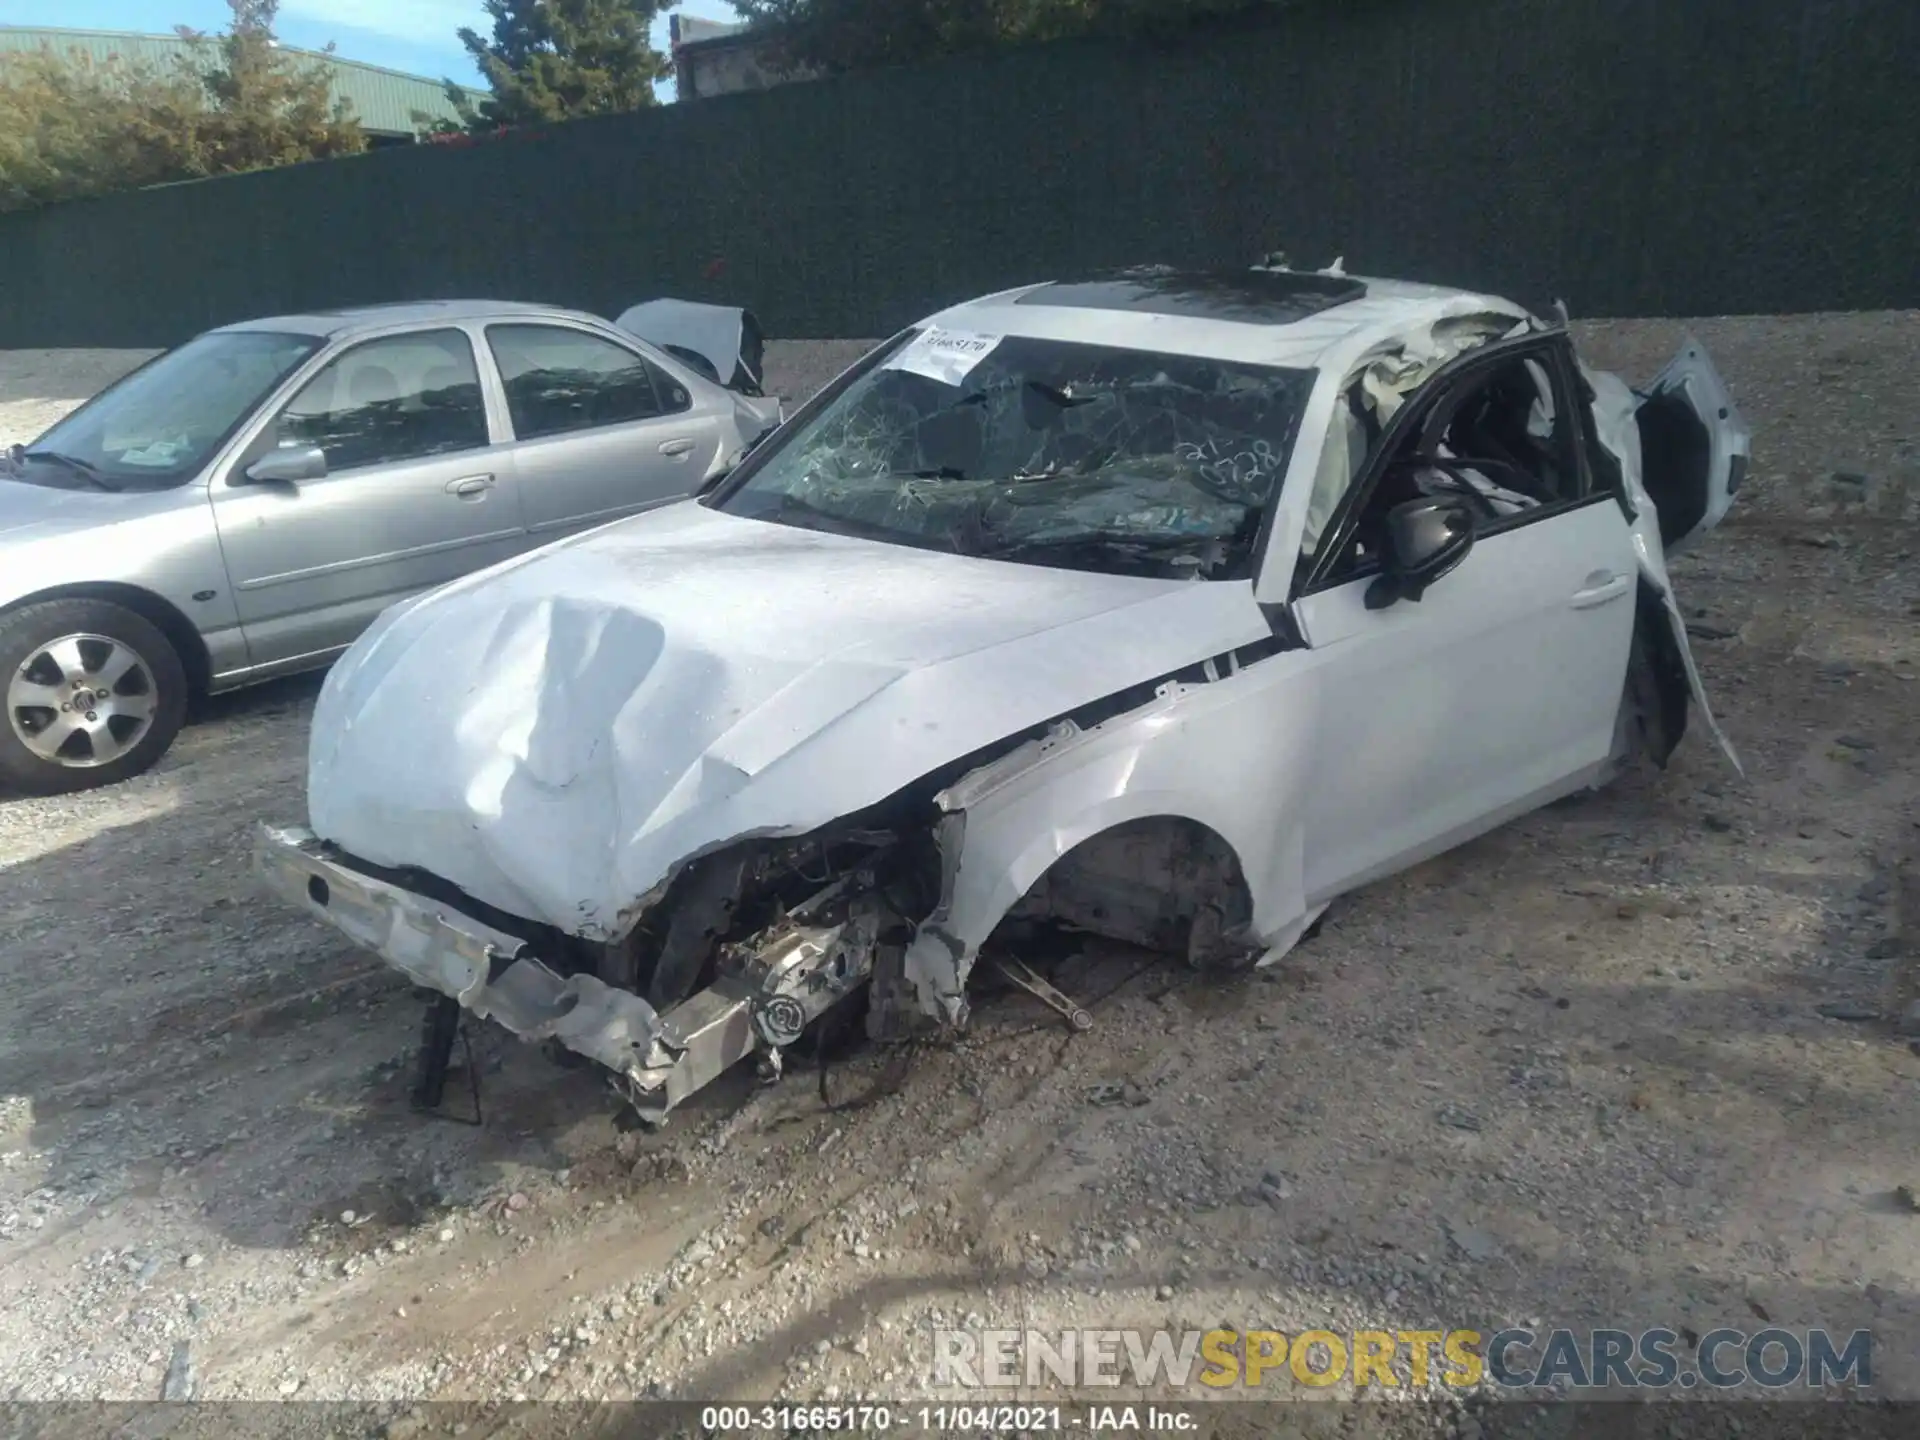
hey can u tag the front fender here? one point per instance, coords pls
(1229, 754)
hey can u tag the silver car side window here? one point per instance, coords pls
(559, 380)
(404, 397)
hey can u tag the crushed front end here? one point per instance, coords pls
(745, 951)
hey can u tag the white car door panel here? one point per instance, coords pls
(1495, 691)
(1694, 446)
(1618, 424)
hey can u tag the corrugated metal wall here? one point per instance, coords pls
(1633, 156)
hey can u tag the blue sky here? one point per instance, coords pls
(411, 35)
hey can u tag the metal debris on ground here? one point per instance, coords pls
(1077, 1016)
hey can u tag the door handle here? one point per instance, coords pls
(470, 485)
(1601, 588)
(676, 448)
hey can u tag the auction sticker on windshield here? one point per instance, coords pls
(948, 356)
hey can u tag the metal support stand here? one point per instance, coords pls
(439, 1027)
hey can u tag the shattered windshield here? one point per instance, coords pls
(1041, 451)
(163, 422)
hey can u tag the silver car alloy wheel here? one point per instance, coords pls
(82, 700)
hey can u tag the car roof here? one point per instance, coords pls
(335, 323)
(1266, 316)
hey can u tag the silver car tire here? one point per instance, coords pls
(91, 693)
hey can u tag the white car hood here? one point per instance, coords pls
(557, 735)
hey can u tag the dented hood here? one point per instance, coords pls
(557, 735)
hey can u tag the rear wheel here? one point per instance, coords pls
(93, 694)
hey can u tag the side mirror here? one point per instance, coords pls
(1426, 539)
(288, 465)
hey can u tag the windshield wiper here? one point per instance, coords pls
(1204, 553)
(75, 464)
(1160, 540)
(803, 516)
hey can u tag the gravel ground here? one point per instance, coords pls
(1575, 1071)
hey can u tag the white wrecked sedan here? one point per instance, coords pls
(1165, 606)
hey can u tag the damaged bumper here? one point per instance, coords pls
(760, 1002)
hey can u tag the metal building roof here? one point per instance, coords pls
(384, 101)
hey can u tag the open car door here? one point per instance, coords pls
(1682, 448)
(1693, 446)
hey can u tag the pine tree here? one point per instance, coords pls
(553, 60)
(841, 35)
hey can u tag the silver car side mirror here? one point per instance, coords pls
(289, 465)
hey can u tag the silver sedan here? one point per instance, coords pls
(243, 506)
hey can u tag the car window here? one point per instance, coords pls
(405, 397)
(560, 380)
(1502, 435)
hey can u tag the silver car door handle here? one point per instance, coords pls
(676, 447)
(1600, 589)
(470, 485)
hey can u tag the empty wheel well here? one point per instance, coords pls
(1165, 882)
(161, 614)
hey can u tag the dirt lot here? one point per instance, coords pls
(1574, 1072)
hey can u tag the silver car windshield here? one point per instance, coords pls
(161, 424)
(1039, 451)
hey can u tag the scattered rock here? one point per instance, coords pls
(516, 1201)
(1163, 1292)
(1852, 1011)
(1474, 1244)
(347, 1217)
(772, 1225)
(1908, 1195)
(1854, 742)
(1887, 947)
(179, 1381)
(194, 1262)
(1719, 824)
(1459, 1118)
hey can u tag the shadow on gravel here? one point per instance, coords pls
(214, 723)
(172, 1035)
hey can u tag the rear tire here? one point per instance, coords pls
(91, 694)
